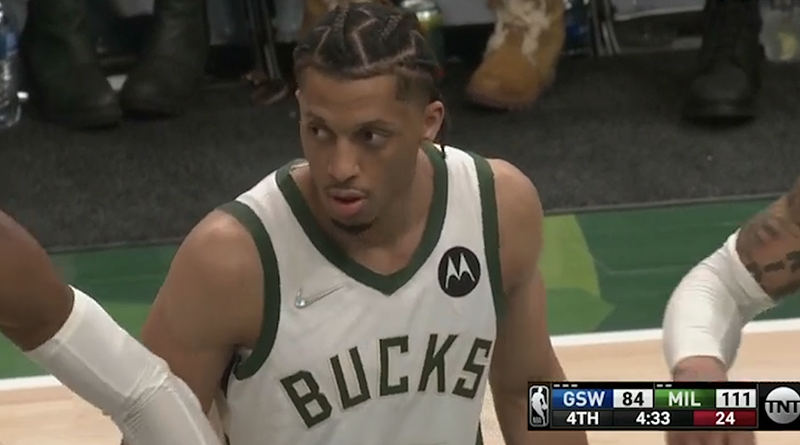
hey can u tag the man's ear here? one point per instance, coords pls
(434, 118)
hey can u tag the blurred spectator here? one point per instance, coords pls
(67, 83)
(731, 57)
(521, 55)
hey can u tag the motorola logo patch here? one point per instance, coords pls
(459, 271)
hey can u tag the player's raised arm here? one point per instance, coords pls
(209, 305)
(756, 267)
(523, 351)
(71, 336)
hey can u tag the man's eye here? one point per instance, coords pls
(373, 138)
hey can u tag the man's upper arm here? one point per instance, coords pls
(209, 304)
(523, 351)
(769, 245)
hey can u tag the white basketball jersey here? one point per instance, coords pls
(351, 357)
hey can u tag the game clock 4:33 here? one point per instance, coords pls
(653, 418)
(634, 419)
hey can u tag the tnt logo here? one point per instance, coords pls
(538, 408)
(782, 405)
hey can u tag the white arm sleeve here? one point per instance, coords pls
(710, 307)
(94, 357)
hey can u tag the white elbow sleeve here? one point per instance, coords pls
(710, 306)
(93, 356)
(167, 415)
(98, 360)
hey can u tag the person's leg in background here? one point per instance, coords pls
(64, 77)
(172, 68)
(522, 54)
(730, 61)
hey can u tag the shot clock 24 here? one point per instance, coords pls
(664, 406)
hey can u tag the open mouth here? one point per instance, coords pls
(347, 205)
(347, 200)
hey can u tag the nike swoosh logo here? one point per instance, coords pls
(302, 301)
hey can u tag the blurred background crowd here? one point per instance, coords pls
(112, 108)
(89, 63)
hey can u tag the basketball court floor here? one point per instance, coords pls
(36, 412)
(608, 276)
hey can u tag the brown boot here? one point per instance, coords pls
(521, 56)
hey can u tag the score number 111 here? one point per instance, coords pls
(736, 398)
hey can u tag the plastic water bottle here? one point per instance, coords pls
(780, 31)
(10, 107)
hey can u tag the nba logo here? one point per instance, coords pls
(538, 409)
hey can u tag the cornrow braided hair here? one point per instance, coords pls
(362, 40)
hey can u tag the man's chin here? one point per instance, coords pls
(351, 227)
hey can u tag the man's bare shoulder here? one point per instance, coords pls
(216, 263)
(221, 247)
(518, 204)
(214, 284)
(520, 216)
(208, 305)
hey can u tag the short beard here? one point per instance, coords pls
(352, 229)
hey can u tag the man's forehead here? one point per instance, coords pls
(360, 101)
(354, 112)
(316, 83)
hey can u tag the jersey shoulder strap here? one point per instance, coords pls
(478, 169)
(254, 224)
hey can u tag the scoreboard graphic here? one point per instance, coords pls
(664, 406)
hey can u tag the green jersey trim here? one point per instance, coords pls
(386, 284)
(272, 289)
(491, 231)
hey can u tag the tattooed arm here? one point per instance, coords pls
(769, 246)
(757, 266)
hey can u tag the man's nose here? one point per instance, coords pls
(344, 164)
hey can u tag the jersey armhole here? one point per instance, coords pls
(272, 289)
(491, 231)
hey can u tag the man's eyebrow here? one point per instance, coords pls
(382, 123)
(377, 123)
(310, 115)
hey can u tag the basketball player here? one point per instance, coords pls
(757, 266)
(72, 337)
(368, 293)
